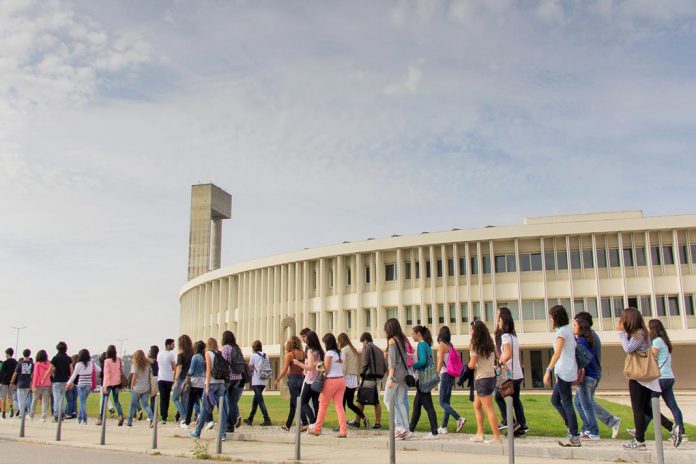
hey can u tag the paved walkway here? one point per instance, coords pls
(685, 400)
(271, 445)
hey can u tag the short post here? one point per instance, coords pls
(59, 412)
(102, 439)
(392, 430)
(298, 423)
(24, 414)
(510, 430)
(657, 423)
(154, 420)
(222, 423)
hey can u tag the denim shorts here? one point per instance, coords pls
(485, 387)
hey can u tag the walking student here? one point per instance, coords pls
(482, 358)
(197, 372)
(261, 372)
(113, 371)
(61, 369)
(351, 362)
(166, 362)
(602, 415)
(334, 387)
(293, 352)
(508, 347)
(373, 369)
(22, 381)
(86, 373)
(396, 378)
(314, 354)
(444, 350)
(214, 390)
(585, 391)
(235, 384)
(183, 362)
(140, 387)
(41, 385)
(6, 372)
(423, 398)
(565, 367)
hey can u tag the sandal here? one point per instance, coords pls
(304, 428)
(285, 427)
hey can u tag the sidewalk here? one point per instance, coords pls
(271, 445)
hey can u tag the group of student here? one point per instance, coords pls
(198, 374)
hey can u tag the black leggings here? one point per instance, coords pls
(348, 396)
(424, 400)
(194, 395)
(516, 404)
(310, 395)
(641, 405)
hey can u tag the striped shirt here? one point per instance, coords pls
(83, 374)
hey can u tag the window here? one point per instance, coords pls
(525, 262)
(314, 280)
(462, 266)
(562, 259)
(441, 313)
(633, 302)
(578, 306)
(673, 302)
(429, 308)
(348, 276)
(538, 370)
(683, 256)
(427, 269)
(407, 270)
(330, 278)
(511, 264)
(655, 254)
(640, 256)
(533, 310)
(438, 265)
(392, 313)
(693, 253)
(349, 319)
(601, 257)
(486, 259)
(417, 314)
(409, 315)
(646, 306)
(550, 259)
(476, 311)
(689, 305)
(661, 309)
(417, 269)
(591, 306)
(618, 305)
(587, 260)
(606, 307)
(628, 257)
(330, 318)
(367, 274)
(450, 267)
(614, 259)
(490, 312)
(465, 313)
(453, 313)
(474, 265)
(390, 272)
(500, 265)
(575, 259)
(368, 317)
(668, 255)
(313, 321)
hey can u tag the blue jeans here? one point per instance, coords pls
(219, 390)
(113, 391)
(71, 402)
(562, 400)
(393, 397)
(142, 399)
(177, 392)
(234, 393)
(83, 392)
(584, 402)
(295, 388)
(667, 387)
(446, 385)
(58, 390)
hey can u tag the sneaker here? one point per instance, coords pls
(631, 432)
(408, 435)
(99, 421)
(571, 443)
(676, 435)
(239, 422)
(311, 427)
(209, 425)
(193, 435)
(223, 437)
(430, 436)
(376, 426)
(502, 426)
(589, 436)
(442, 431)
(353, 424)
(460, 424)
(400, 433)
(183, 425)
(248, 421)
(163, 422)
(266, 423)
(112, 412)
(635, 445)
(476, 438)
(615, 429)
(494, 441)
(521, 432)
(177, 417)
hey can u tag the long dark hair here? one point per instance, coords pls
(559, 315)
(444, 335)
(504, 315)
(83, 356)
(632, 321)
(481, 341)
(392, 328)
(185, 345)
(200, 347)
(41, 356)
(111, 353)
(154, 351)
(657, 330)
(585, 331)
(424, 332)
(228, 338)
(331, 344)
(312, 342)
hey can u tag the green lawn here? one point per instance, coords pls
(542, 417)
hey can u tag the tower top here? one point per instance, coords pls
(210, 205)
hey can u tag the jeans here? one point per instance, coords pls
(22, 400)
(562, 400)
(295, 387)
(139, 400)
(83, 392)
(113, 391)
(516, 404)
(218, 389)
(308, 395)
(393, 397)
(446, 385)
(424, 400)
(194, 398)
(58, 390)
(667, 386)
(43, 394)
(165, 390)
(71, 402)
(258, 402)
(601, 414)
(584, 402)
(177, 398)
(234, 393)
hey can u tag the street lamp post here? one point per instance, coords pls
(121, 340)
(18, 329)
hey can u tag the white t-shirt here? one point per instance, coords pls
(211, 356)
(336, 369)
(165, 359)
(256, 360)
(567, 367)
(514, 363)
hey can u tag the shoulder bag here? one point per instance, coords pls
(124, 379)
(428, 378)
(507, 386)
(642, 366)
(368, 394)
(409, 379)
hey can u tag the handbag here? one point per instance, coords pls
(153, 381)
(428, 378)
(124, 379)
(367, 394)
(641, 365)
(409, 379)
(507, 386)
(318, 382)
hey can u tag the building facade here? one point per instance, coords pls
(598, 263)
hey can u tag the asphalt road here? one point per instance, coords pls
(26, 453)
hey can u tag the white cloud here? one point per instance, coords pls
(408, 85)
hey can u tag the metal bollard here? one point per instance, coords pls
(23, 422)
(298, 423)
(657, 423)
(59, 411)
(102, 439)
(510, 430)
(154, 425)
(222, 422)
(392, 430)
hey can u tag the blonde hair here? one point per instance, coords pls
(212, 344)
(292, 344)
(139, 360)
(344, 340)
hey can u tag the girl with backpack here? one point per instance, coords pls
(260, 365)
(235, 386)
(449, 365)
(213, 390)
(482, 358)
(293, 352)
(314, 354)
(424, 397)
(333, 388)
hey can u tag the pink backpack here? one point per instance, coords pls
(454, 365)
(409, 350)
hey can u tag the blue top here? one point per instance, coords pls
(592, 369)
(197, 368)
(597, 353)
(424, 353)
(664, 358)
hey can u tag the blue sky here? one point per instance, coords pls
(326, 121)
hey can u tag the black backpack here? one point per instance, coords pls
(221, 368)
(239, 366)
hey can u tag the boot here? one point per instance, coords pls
(120, 420)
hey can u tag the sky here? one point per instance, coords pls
(326, 121)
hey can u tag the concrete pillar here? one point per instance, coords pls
(216, 243)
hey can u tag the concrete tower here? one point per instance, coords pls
(209, 206)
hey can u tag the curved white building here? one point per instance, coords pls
(598, 263)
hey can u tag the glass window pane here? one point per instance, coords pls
(511, 265)
(601, 257)
(528, 310)
(476, 311)
(409, 315)
(646, 306)
(587, 261)
(514, 310)
(441, 313)
(465, 313)
(660, 301)
(490, 312)
(525, 264)
(430, 314)
(562, 259)
(693, 253)
(667, 254)
(683, 258)
(439, 268)
(390, 272)
(614, 260)
(407, 270)
(462, 266)
(575, 259)
(618, 305)
(539, 310)
(474, 265)
(591, 306)
(628, 257)
(549, 260)
(633, 302)
(673, 305)
(689, 304)
(417, 267)
(579, 306)
(450, 267)
(640, 256)
(486, 264)
(499, 263)
(655, 254)
(453, 313)
(427, 269)
(367, 274)
(347, 276)
(606, 307)
(536, 261)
